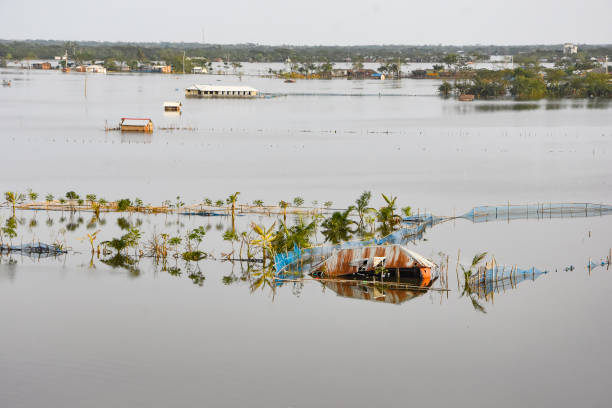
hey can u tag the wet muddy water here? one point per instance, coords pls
(77, 333)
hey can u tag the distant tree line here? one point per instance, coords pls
(447, 54)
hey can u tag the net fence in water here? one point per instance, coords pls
(501, 278)
(415, 226)
(536, 211)
(402, 236)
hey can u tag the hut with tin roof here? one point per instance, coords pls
(136, 125)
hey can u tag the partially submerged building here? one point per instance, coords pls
(164, 69)
(369, 259)
(199, 70)
(136, 125)
(41, 65)
(220, 91)
(172, 106)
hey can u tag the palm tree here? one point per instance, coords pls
(72, 197)
(48, 198)
(266, 236)
(362, 204)
(297, 235)
(232, 199)
(283, 205)
(14, 198)
(32, 195)
(337, 227)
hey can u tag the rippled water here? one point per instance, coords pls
(79, 335)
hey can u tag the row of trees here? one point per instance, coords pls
(266, 53)
(358, 220)
(530, 84)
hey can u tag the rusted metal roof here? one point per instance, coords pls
(365, 259)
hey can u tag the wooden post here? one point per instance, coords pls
(457, 267)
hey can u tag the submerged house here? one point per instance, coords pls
(41, 65)
(164, 69)
(199, 70)
(96, 69)
(220, 91)
(136, 125)
(172, 106)
(391, 258)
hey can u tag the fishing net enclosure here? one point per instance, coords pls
(536, 211)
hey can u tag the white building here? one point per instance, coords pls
(220, 91)
(98, 69)
(199, 70)
(569, 48)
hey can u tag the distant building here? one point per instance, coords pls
(41, 65)
(172, 106)
(500, 58)
(136, 125)
(219, 91)
(97, 69)
(199, 70)
(339, 73)
(360, 73)
(569, 49)
(164, 69)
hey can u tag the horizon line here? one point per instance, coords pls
(310, 45)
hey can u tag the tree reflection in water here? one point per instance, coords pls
(124, 262)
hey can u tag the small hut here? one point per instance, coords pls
(172, 106)
(466, 97)
(136, 125)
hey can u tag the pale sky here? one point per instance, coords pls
(311, 22)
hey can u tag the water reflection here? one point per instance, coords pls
(124, 262)
(133, 138)
(548, 105)
(493, 279)
(399, 291)
(496, 107)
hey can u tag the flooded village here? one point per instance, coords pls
(241, 224)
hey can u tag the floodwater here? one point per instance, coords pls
(77, 334)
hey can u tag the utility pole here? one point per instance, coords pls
(183, 62)
(399, 68)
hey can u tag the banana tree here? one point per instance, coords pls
(91, 238)
(266, 236)
(467, 274)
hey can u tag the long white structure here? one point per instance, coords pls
(220, 91)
